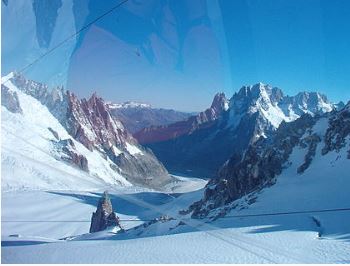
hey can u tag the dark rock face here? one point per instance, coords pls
(54, 133)
(142, 170)
(136, 117)
(104, 216)
(10, 100)
(310, 142)
(339, 129)
(69, 154)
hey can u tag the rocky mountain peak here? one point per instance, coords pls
(9, 99)
(94, 97)
(340, 105)
(91, 123)
(220, 102)
(259, 91)
(347, 106)
(104, 216)
(250, 96)
(252, 91)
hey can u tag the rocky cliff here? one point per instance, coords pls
(104, 216)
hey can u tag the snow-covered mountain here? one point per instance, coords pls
(128, 104)
(252, 112)
(305, 162)
(136, 116)
(49, 131)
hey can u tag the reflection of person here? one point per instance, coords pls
(141, 39)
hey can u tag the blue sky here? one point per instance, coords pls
(179, 53)
(297, 45)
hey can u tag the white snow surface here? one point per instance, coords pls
(129, 104)
(132, 149)
(294, 238)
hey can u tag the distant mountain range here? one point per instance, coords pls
(201, 144)
(167, 132)
(136, 116)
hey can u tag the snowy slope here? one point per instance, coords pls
(310, 237)
(276, 239)
(295, 238)
(29, 160)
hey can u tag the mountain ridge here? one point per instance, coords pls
(254, 111)
(136, 116)
(89, 122)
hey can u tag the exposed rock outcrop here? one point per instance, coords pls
(67, 152)
(137, 116)
(90, 122)
(54, 133)
(338, 130)
(10, 100)
(104, 216)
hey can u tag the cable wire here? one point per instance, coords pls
(149, 220)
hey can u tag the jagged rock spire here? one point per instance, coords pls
(104, 216)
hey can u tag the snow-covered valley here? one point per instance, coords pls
(53, 227)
